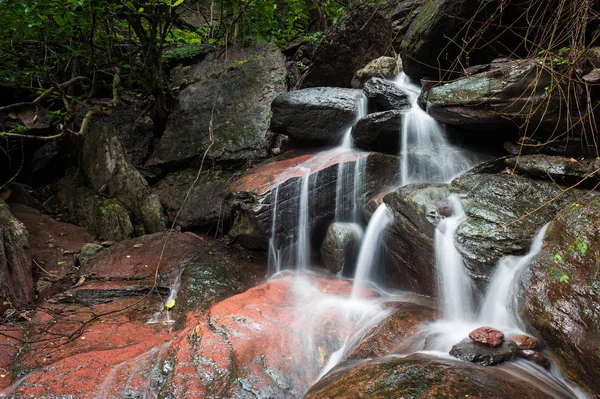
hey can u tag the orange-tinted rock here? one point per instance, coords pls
(405, 321)
(487, 336)
(524, 341)
(537, 357)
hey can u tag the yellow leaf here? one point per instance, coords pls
(170, 303)
(322, 355)
(178, 2)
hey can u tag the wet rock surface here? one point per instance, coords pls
(204, 207)
(422, 376)
(561, 296)
(379, 131)
(360, 36)
(384, 95)
(524, 342)
(487, 336)
(254, 194)
(317, 115)
(340, 246)
(474, 352)
(503, 213)
(405, 320)
(239, 86)
(409, 241)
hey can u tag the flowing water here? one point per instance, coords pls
(425, 154)
(303, 244)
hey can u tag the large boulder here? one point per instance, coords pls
(474, 352)
(256, 193)
(379, 131)
(107, 169)
(317, 115)
(204, 208)
(384, 95)
(511, 94)
(423, 376)
(15, 260)
(503, 214)
(562, 295)
(360, 36)
(228, 99)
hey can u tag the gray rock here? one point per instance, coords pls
(382, 67)
(498, 98)
(409, 240)
(384, 95)
(562, 170)
(15, 260)
(107, 218)
(228, 95)
(503, 214)
(317, 115)
(108, 170)
(360, 36)
(204, 207)
(379, 131)
(340, 246)
(88, 251)
(473, 352)
(247, 235)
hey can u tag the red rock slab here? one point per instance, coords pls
(49, 240)
(139, 258)
(257, 342)
(524, 341)
(487, 336)
(62, 331)
(267, 176)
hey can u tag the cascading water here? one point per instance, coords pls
(425, 154)
(455, 285)
(274, 250)
(361, 111)
(303, 244)
(368, 251)
(500, 305)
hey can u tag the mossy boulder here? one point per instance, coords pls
(422, 376)
(382, 67)
(562, 293)
(108, 170)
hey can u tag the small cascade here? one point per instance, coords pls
(425, 154)
(163, 316)
(367, 257)
(303, 237)
(500, 306)
(274, 250)
(455, 284)
(349, 193)
(361, 112)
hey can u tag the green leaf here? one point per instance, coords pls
(564, 278)
(60, 263)
(170, 303)
(558, 258)
(178, 2)
(141, 10)
(583, 247)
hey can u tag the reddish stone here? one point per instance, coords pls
(524, 341)
(537, 357)
(487, 336)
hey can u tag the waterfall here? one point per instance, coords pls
(361, 112)
(455, 284)
(368, 251)
(303, 237)
(274, 251)
(500, 305)
(425, 154)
